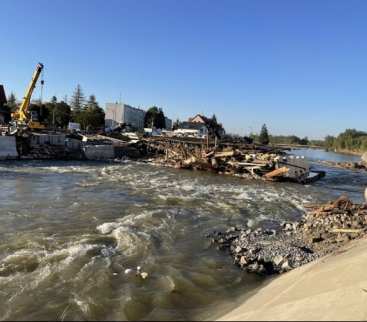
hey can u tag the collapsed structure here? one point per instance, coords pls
(242, 160)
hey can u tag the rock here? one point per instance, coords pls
(277, 260)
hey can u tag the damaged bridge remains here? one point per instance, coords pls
(251, 161)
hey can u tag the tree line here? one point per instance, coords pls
(58, 114)
(349, 140)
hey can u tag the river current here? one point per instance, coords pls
(73, 233)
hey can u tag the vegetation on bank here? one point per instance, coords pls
(58, 114)
(265, 138)
(350, 140)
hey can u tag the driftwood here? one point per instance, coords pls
(248, 161)
(276, 173)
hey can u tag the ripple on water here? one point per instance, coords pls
(68, 260)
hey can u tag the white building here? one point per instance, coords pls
(120, 113)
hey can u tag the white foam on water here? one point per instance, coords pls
(107, 227)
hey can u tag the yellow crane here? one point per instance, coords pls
(22, 117)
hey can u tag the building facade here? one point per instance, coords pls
(120, 113)
(168, 123)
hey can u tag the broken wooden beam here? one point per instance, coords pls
(276, 173)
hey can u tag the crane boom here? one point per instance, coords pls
(21, 115)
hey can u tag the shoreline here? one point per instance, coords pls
(348, 152)
(333, 287)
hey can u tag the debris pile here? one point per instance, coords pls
(247, 161)
(293, 244)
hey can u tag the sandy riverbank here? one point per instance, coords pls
(331, 288)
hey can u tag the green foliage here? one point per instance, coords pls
(91, 116)
(42, 111)
(215, 128)
(77, 99)
(349, 140)
(12, 103)
(288, 139)
(59, 113)
(154, 117)
(264, 135)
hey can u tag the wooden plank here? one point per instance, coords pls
(276, 173)
(346, 230)
(224, 154)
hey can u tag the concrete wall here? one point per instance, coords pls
(8, 148)
(51, 139)
(99, 152)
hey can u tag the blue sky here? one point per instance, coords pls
(298, 66)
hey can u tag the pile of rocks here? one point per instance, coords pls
(333, 223)
(293, 244)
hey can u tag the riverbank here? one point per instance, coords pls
(331, 288)
(348, 152)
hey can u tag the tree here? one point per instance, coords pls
(91, 117)
(77, 99)
(154, 117)
(176, 125)
(59, 113)
(12, 102)
(264, 135)
(92, 103)
(215, 128)
(95, 114)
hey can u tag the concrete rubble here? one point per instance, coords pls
(321, 231)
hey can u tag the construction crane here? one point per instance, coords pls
(23, 118)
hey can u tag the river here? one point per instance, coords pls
(70, 230)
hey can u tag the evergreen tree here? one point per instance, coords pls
(91, 117)
(12, 102)
(264, 135)
(77, 100)
(92, 104)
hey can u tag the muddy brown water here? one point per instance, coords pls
(70, 230)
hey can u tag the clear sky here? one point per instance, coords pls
(300, 66)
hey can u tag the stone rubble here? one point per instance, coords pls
(319, 232)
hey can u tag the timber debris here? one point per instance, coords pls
(322, 230)
(242, 160)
